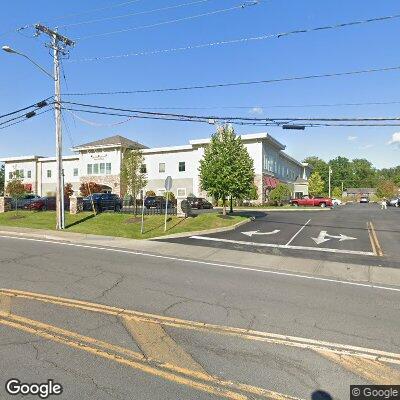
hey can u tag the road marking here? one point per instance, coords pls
(374, 240)
(286, 340)
(285, 246)
(5, 303)
(324, 237)
(252, 233)
(373, 371)
(295, 235)
(208, 263)
(193, 379)
(156, 343)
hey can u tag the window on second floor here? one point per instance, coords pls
(102, 168)
(49, 173)
(108, 168)
(143, 169)
(76, 172)
(10, 175)
(161, 167)
(182, 166)
(29, 174)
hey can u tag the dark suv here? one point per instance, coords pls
(156, 202)
(199, 203)
(102, 202)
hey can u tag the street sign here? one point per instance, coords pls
(168, 183)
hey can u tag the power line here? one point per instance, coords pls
(25, 108)
(236, 41)
(223, 10)
(25, 119)
(135, 13)
(232, 84)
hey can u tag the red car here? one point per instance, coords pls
(46, 203)
(312, 202)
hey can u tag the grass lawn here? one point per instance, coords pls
(123, 225)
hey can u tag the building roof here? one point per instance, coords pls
(361, 190)
(112, 141)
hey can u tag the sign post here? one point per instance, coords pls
(167, 186)
(142, 225)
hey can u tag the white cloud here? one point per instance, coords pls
(367, 146)
(395, 139)
(351, 138)
(256, 110)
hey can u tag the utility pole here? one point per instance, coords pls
(329, 180)
(58, 43)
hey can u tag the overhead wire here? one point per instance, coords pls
(232, 84)
(172, 21)
(25, 108)
(236, 41)
(25, 119)
(92, 21)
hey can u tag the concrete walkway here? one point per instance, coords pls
(316, 268)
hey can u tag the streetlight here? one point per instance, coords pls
(57, 108)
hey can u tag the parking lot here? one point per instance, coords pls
(356, 233)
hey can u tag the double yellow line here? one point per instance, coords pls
(376, 247)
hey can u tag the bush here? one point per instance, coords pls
(281, 193)
(150, 193)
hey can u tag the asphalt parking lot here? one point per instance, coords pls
(354, 233)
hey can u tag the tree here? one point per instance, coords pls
(320, 166)
(387, 189)
(170, 195)
(337, 192)
(88, 188)
(364, 174)
(16, 190)
(2, 179)
(150, 193)
(342, 172)
(68, 191)
(132, 175)
(315, 184)
(226, 169)
(280, 193)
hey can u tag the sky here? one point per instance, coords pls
(372, 45)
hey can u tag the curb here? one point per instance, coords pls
(203, 232)
(312, 209)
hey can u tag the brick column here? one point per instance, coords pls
(75, 205)
(5, 204)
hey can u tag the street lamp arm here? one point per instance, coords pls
(37, 65)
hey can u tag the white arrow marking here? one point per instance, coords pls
(251, 233)
(322, 237)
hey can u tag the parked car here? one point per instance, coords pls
(312, 201)
(395, 202)
(102, 202)
(336, 202)
(199, 203)
(46, 203)
(364, 199)
(24, 201)
(156, 202)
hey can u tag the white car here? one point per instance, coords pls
(336, 202)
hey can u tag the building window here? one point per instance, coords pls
(49, 173)
(76, 172)
(89, 169)
(182, 166)
(108, 168)
(19, 173)
(181, 192)
(29, 174)
(102, 168)
(10, 175)
(143, 169)
(161, 167)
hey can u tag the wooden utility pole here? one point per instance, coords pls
(58, 44)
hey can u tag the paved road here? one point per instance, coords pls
(355, 233)
(172, 351)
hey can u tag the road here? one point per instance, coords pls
(354, 233)
(107, 324)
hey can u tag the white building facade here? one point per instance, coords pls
(101, 162)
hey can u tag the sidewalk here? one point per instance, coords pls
(318, 268)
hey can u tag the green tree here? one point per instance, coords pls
(16, 190)
(226, 170)
(2, 179)
(342, 172)
(315, 184)
(364, 174)
(133, 177)
(386, 188)
(337, 192)
(320, 166)
(280, 193)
